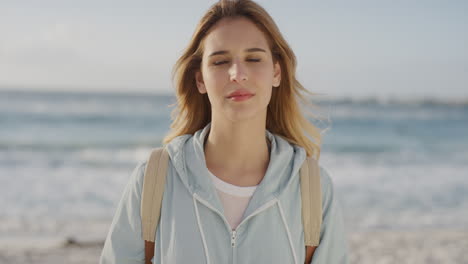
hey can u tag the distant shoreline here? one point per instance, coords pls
(365, 99)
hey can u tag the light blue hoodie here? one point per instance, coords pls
(193, 228)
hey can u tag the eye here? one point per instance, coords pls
(253, 60)
(220, 62)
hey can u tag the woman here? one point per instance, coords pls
(236, 146)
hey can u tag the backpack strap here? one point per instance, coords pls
(311, 196)
(151, 199)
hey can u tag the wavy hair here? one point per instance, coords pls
(284, 115)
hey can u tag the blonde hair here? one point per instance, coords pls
(284, 117)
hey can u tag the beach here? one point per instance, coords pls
(399, 171)
(415, 247)
(370, 247)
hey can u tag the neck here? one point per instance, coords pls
(236, 150)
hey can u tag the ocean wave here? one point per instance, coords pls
(391, 100)
(69, 146)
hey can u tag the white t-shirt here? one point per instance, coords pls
(234, 198)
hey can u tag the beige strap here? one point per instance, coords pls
(311, 201)
(153, 189)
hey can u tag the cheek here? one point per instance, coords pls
(263, 76)
(214, 77)
(214, 83)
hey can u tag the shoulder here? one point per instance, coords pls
(327, 186)
(139, 170)
(135, 181)
(325, 177)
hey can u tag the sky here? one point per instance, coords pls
(361, 48)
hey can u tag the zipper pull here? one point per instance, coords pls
(233, 238)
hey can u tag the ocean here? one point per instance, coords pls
(65, 158)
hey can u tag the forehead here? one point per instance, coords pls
(234, 34)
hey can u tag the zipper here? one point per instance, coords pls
(233, 246)
(233, 237)
(233, 232)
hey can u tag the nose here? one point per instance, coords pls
(237, 72)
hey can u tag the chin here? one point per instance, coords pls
(242, 115)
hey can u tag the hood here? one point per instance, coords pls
(187, 155)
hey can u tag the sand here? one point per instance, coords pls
(431, 246)
(376, 247)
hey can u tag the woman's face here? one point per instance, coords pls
(237, 57)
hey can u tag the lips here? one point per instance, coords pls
(240, 93)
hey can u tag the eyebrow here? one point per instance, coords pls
(220, 52)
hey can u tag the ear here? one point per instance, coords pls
(200, 83)
(276, 74)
